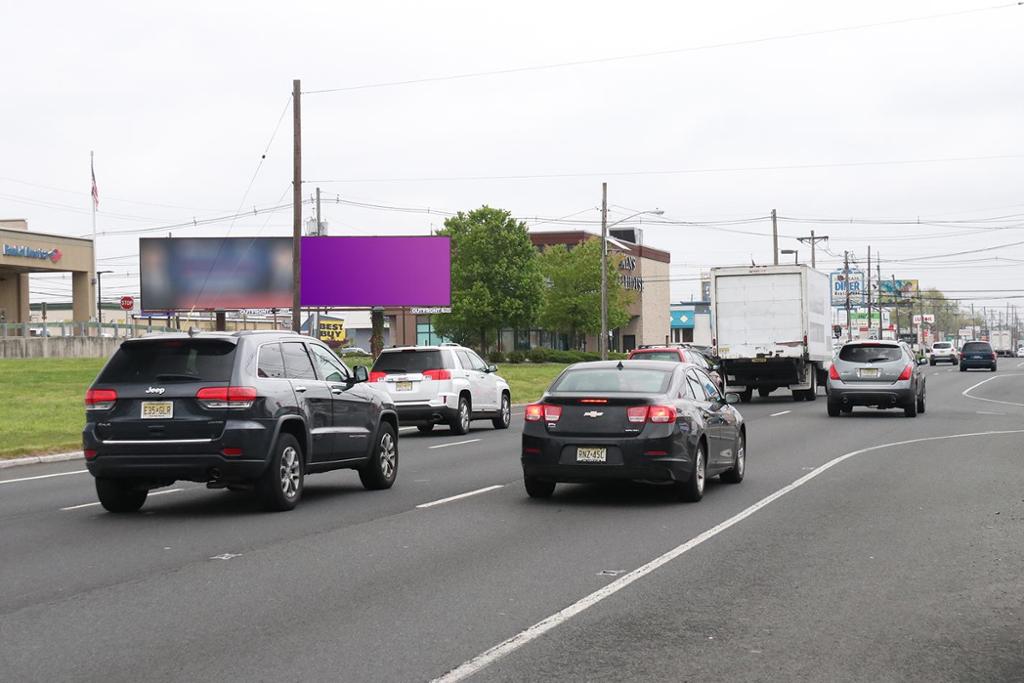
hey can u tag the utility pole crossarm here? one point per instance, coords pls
(813, 241)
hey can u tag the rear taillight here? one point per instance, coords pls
(661, 414)
(535, 412)
(89, 453)
(993, 356)
(100, 399)
(637, 414)
(833, 373)
(231, 452)
(378, 376)
(235, 398)
(437, 374)
(907, 371)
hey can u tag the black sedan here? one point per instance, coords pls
(650, 421)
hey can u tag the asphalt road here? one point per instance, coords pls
(865, 548)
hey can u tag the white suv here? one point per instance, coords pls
(447, 384)
(942, 352)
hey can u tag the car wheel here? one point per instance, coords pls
(993, 367)
(746, 395)
(425, 429)
(739, 463)
(932, 362)
(910, 410)
(963, 369)
(834, 408)
(460, 423)
(692, 490)
(764, 393)
(504, 418)
(118, 495)
(920, 404)
(380, 470)
(537, 488)
(280, 485)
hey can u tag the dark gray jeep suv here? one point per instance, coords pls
(243, 411)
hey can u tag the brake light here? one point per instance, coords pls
(661, 414)
(231, 452)
(805, 339)
(234, 398)
(833, 373)
(89, 453)
(597, 401)
(100, 399)
(535, 412)
(993, 355)
(437, 374)
(637, 414)
(907, 371)
(378, 376)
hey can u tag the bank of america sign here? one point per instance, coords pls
(22, 251)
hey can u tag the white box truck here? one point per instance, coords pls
(1002, 342)
(772, 328)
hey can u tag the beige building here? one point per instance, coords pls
(644, 271)
(23, 252)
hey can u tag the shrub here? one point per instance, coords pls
(495, 357)
(516, 357)
(539, 354)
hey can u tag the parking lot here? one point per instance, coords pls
(869, 547)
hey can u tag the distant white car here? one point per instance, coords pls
(1020, 352)
(943, 352)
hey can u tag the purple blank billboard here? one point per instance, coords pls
(376, 271)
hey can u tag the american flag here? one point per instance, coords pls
(95, 190)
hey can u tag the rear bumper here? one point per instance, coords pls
(425, 413)
(554, 459)
(970, 363)
(199, 460)
(944, 359)
(891, 396)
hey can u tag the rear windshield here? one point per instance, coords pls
(976, 347)
(175, 360)
(613, 380)
(870, 353)
(657, 355)
(408, 361)
(942, 345)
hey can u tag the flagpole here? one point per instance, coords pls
(92, 200)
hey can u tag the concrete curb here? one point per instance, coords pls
(78, 455)
(37, 459)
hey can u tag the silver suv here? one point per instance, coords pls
(883, 374)
(447, 384)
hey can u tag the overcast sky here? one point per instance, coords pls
(180, 100)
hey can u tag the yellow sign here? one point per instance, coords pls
(332, 331)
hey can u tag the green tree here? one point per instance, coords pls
(495, 278)
(572, 296)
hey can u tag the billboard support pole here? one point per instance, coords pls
(296, 205)
(878, 265)
(846, 273)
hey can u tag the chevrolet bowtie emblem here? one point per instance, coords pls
(593, 413)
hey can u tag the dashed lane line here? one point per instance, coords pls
(456, 443)
(41, 476)
(485, 659)
(784, 412)
(449, 499)
(89, 505)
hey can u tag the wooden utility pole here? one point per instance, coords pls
(869, 293)
(775, 240)
(878, 265)
(602, 343)
(318, 223)
(296, 206)
(846, 276)
(813, 240)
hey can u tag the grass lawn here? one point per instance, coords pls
(44, 413)
(43, 403)
(529, 380)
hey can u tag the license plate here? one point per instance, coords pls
(591, 454)
(403, 386)
(869, 373)
(157, 410)
(759, 360)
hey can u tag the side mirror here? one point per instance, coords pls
(492, 368)
(732, 398)
(360, 374)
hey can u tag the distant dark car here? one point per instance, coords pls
(635, 420)
(977, 354)
(883, 374)
(678, 354)
(248, 410)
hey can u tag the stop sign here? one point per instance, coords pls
(127, 303)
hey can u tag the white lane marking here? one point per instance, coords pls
(784, 412)
(1020, 365)
(42, 476)
(967, 392)
(517, 641)
(89, 505)
(457, 443)
(986, 412)
(461, 495)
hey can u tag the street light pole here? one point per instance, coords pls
(99, 295)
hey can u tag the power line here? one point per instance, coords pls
(657, 53)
